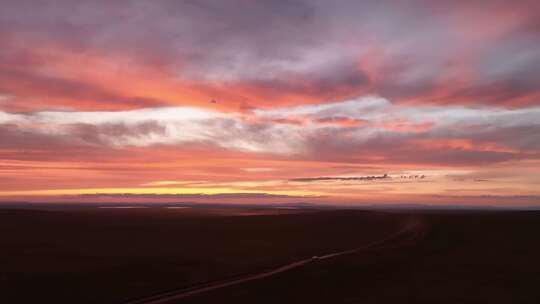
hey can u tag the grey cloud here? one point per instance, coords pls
(342, 179)
(339, 145)
(269, 44)
(108, 133)
(79, 135)
(327, 82)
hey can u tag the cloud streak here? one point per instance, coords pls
(341, 179)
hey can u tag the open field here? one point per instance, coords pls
(103, 255)
(111, 255)
(464, 258)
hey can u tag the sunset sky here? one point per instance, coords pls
(310, 101)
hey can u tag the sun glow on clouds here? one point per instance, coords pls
(156, 191)
(166, 183)
(160, 96)
(254, 133)
(424, 134)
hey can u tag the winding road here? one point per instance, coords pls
(409, 233)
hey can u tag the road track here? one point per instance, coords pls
(412, 230)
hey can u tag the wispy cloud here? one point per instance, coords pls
(421, 133)
(344, 179)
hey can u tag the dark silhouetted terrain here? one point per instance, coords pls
(91, 255)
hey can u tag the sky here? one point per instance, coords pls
(325, 102)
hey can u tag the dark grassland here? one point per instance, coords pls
(465, 257)
(89, 255)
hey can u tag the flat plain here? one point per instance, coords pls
(102, 255)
